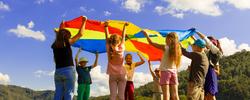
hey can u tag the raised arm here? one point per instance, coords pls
(124, 32)
(186, 53)
(107, 38)
(151, 71)
(159, 46)
(77, 55)
(96, 60)
(210, 45)
(140, 62)
(80, 33)
(106, 24)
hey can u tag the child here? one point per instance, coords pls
(198, 70)
(130, 68)
(84, 78)
(115, 46)
(214, 53)
(169, 64)
(64, 70)
(156, 79)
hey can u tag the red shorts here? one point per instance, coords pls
(169, 77)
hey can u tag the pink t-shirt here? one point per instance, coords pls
(116, 65)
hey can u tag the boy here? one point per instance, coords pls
(84, 78)
(198, 70)
(156, 79)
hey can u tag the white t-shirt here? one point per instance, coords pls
(130, 71)
(166, 64)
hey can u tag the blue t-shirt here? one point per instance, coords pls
(84, 74)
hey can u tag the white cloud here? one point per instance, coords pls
(41, 73)
(42, 1)
(134, 5)
(229, 47)
(4, 78)
(23, 32)
(31, 24)
(185, 62)
(178, 8)
(107, 13)
(162, 11)
(100, 85)
(240, 4)
(4, 6)
(86, 10)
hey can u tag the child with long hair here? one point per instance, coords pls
(115, 46)
(65, 72)
(169, 64)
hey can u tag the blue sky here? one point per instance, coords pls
(27, 60)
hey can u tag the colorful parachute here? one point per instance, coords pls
(93, 39)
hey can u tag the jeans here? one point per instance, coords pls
(65, 83)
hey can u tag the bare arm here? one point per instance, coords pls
(107, 38)
(106, 31)
(80, 33)
(124, 32)
(96, 60)
(159, 46)
(217, 70)
(77, 55)
(151, 71)
(141, 62)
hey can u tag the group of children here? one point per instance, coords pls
(203, 69)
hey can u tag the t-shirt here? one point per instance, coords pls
(130, 69)
(84, 74)
(199, 66)
(165, 63)
(63, 56)
(116, 65)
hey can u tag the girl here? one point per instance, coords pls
(116, 71)
(169, 64)
(130, 68)
(65, 73)
(84, 78)
(156, 79)
(214, 53)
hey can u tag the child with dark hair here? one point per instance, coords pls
(130, 69)
(214, 53)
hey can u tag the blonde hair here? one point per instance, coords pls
(113, 40)
(174, 48)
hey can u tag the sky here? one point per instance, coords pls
(26, 32)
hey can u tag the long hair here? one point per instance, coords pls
(114, 39)
(215, 42)
(174, 48)
(62, 37)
